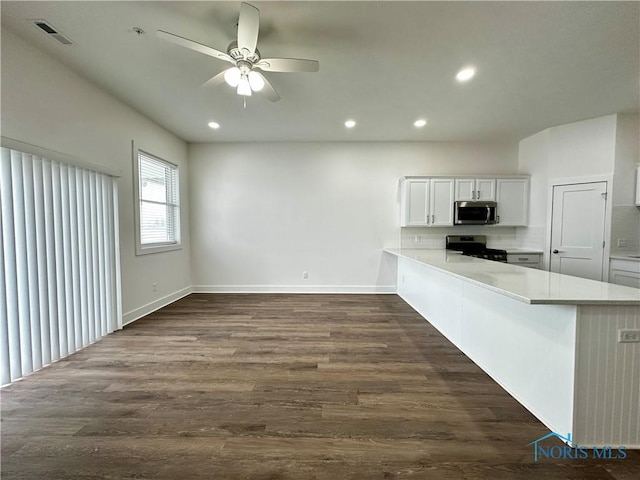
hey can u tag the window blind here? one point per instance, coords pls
(59, 265)
(159, 201)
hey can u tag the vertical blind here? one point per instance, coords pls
(59, 266)
(159, 201)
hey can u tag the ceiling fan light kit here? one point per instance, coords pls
(245, 75)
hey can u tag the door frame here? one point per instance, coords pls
(557, 182)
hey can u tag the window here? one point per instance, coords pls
(157, 206)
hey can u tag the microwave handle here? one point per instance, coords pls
(488, 215)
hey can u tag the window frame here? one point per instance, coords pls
(144, 249)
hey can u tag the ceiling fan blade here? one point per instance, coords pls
(215, 80)
(268, 89)
(288, 65)
(248, 26)
(198, 47)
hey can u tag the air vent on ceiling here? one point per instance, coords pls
(47, 28)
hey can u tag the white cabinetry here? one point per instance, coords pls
(512, 196)
(638, 185)
(427, 202)
(475, 189)
(625, 272)
(530, 260)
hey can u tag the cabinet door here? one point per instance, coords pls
(638, 186)
(628, 279)
(415, 207)
(625, 272)
(531, 260)
(465, 189)
(486, 189)
(512, 195)
(441, 202)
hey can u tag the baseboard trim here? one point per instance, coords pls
(145, 310)
(335, 289)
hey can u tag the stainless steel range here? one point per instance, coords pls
(475, 246)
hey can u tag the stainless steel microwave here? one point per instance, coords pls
(474, 213)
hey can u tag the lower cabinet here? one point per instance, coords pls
(530, 260)
(625, 272)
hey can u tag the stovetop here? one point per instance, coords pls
(475, 246)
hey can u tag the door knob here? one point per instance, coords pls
(558, 251)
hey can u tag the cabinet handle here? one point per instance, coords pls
(478, 194)
(497, 218)
(523, 259)
(433, 219)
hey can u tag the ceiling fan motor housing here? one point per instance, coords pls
(237, 54)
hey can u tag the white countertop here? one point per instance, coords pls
(524, 284)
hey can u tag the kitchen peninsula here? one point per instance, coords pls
(551, 340)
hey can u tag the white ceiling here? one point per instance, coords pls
(384, 64)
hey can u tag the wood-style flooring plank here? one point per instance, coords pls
(278, 387)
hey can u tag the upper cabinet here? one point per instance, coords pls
(441, 202)
(471, 189)
(427, 202)
(512, 196)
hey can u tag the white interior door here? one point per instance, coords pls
(577, 229)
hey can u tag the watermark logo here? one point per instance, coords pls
(575, 452)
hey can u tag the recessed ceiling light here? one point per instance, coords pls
(214, 125)
(420, 123)
(466, 74)
(350, 123)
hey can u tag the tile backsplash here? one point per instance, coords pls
(532, 236)
(502, 237)
(434, 237)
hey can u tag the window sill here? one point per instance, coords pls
(141, 250)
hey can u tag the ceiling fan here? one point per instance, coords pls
(246, 74)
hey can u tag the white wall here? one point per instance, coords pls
(263, 213)
(577, 150)
(582, 149)
(625, 220)
(534, 159)
(46, 104)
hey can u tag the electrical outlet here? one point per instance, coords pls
(622, 242)
(305, 275)
(154, 287)
(628, 336)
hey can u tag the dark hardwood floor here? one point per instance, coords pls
(276, 387)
